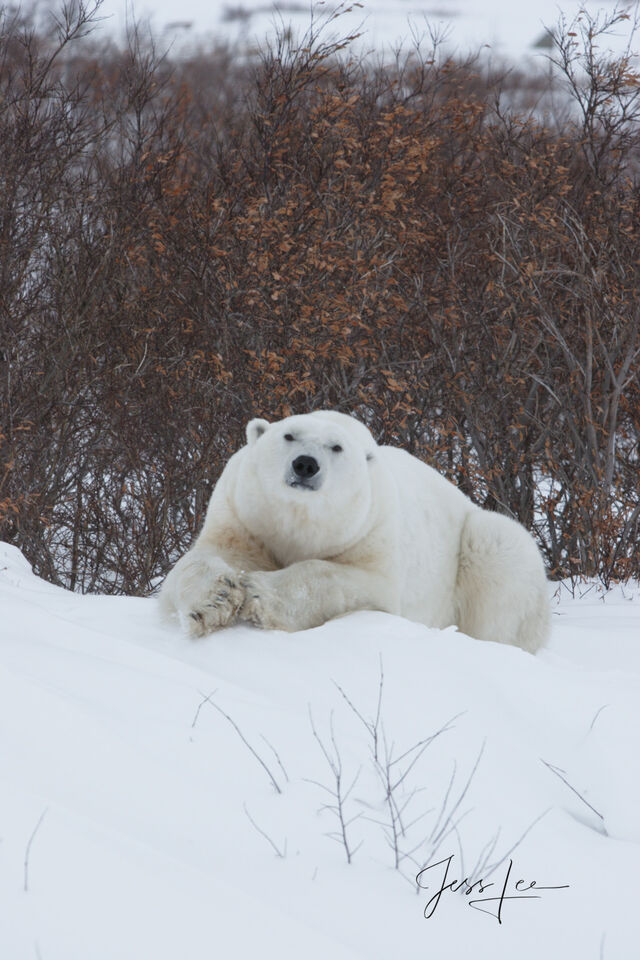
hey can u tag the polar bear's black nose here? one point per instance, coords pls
(304, 467)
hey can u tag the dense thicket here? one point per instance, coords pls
(187, 244)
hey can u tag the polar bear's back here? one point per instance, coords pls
(463, 565)
(421, 485)
(431, 514)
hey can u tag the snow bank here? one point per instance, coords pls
(166, 798)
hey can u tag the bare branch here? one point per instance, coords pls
(279, 853)
(28, 849)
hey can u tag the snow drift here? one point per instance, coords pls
(168, 798)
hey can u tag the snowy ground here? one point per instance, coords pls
(511, 30)
(140, 820)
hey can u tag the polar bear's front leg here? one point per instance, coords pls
(308, 593)
(204, 592)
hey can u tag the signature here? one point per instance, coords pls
(520, 890)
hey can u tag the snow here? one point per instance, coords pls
(507, 29)
(139, 816)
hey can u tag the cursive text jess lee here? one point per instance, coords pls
(521, 888)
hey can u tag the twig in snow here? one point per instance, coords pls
(393, 777)
(603, 707)
(423, 744)
(485, 869)
(436, 836)
(392, 782)
(558, 773)
(28, 848)
(278, 852)
(445, 823)
(339, 795)
(394, 827)
(447, 794)
(370, 725)
(207, 699)
(277, 756)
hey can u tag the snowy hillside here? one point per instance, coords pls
(163, 798)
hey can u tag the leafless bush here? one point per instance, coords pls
(338, 792)
(208, 699)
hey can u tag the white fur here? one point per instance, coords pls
(382, 531)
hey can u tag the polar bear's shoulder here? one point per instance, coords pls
(415, 478)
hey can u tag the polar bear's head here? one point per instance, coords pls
(305, 483)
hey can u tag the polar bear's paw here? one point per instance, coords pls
(217, 608)
(262, 607)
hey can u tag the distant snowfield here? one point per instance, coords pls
(140, 820)
(511, 30)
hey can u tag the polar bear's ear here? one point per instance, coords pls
(255, 429)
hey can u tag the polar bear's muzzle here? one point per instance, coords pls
(304, 473)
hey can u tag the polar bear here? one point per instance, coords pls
(312, 520)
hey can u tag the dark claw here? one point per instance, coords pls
(196, 616)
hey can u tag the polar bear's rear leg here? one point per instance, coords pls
(501, 585)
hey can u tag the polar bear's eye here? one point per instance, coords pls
(336, 448)
(289, 437)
